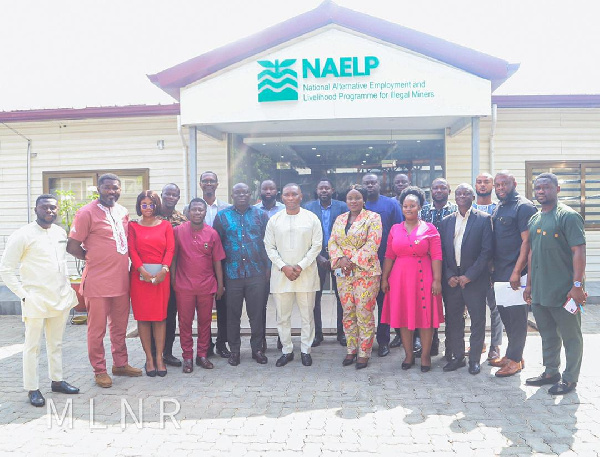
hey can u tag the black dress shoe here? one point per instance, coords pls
(396, 342)
(407, 366)
(171, 360)
(349, 360)
(279, 345)
(425, 368)
(455, 364)
(474, 367)
(560, 388)
(317, 341)
(63, 387)
(222, 351)
(306, 359)
(284, 359)
(342, 340)
(362, 362)
(383, 350)
(36, 398)
(234, 359)
(161, 373)
(204, 363)
(260, 357)
(542, 380)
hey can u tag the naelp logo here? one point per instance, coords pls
(277, 81)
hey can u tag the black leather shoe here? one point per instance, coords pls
(204, 363)
(260, 357)
(474, 367)
(455, 364)
(234, 359)
(342, 340)
(36, 398)
(425, 368)
(63, 387)
(150, 373)
(407, 366)
(279, 345)
(362, 362)
(396, 342)
(284, 359)
(542, 380)
(171, 360)
(383, 350)
(349, 360)
(306, 359)
(560, 388)
(222, 351)
(317, 341)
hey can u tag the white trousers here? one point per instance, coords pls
(54, 327)
(284, 303)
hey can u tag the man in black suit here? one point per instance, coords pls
(327, 210)
(467, 245)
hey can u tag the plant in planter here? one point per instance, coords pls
(67, 207)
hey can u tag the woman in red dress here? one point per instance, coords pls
(151, 246)
(412, 278)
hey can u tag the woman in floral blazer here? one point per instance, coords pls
(355, 239)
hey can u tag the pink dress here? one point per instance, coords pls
(409, 302)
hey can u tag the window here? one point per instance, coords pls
(83, 184)
(579, 186)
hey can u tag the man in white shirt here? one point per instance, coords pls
(39, 251)
(293, 240)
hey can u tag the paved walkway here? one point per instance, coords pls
(323, 410)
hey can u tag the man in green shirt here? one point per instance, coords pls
(557, 266)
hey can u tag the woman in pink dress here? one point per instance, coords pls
(412, 278)
(151, 246)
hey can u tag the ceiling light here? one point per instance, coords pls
(264, 144)
(314, 149)
(318, 155)
(418, 141)
(367, 155)
(282, 157)
(370, 147)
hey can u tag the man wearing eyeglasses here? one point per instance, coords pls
(209, 182)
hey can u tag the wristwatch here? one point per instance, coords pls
(577, 284)
(166, 268)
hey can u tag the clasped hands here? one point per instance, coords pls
(461, 281)
(147, 277)
(292, 272)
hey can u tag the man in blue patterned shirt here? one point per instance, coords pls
(242, 230)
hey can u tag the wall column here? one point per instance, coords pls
(192, 161)
(474, 149)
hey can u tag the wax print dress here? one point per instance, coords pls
(409, 302)
(358, 292)
(150, 245)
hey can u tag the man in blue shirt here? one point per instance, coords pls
(391, 213)
(327, 210)
(268, 198)
(246, 269)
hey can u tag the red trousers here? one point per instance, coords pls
(115, 310)
(187, 306)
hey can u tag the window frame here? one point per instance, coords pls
(581, 164)
(94, 174)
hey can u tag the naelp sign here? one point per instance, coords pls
(278, 80)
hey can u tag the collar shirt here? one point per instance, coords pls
(294, 239)
(459, 231)
(102, 231)
(435, 216)
(510, 219)
(552, 235)
(391, 213)
(175, 219)
(270, 211)
(40, 256)
(212, 210)
(242, 236)
(486, 208)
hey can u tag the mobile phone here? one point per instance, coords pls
(571, 306)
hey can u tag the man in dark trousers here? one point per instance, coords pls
(511, 247)
(327, 210)
(557, 268)
(467, 245)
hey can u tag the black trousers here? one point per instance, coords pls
(252, 290)
(454, 304)
(221, 306)
(514, 319)
(171, 326)
(323, 272)
(383, 330)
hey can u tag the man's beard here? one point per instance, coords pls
(484, 194)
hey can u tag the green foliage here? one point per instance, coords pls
(68, 206)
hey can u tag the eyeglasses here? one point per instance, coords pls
(148, 205)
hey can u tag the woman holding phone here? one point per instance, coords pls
(355, 239)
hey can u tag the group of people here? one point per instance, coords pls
(420, 263)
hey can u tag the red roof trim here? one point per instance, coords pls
(89, 113)
(173, 79)
(547, 101)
